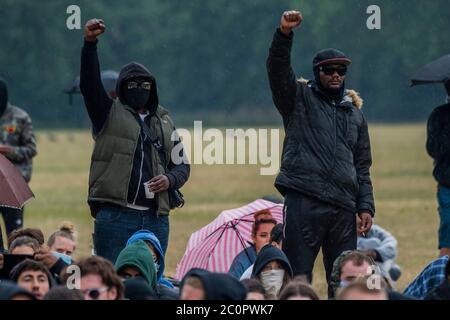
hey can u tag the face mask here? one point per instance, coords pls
(137, 98)
(448, 99)
(67, 259)
(157, 267)
(272, 281)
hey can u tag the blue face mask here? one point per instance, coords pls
(67, 259)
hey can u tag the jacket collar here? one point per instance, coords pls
(346, 103)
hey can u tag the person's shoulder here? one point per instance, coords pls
(18, 112)
(355, 99)
(442, 109)
(162, 111)
(438, 265)
(165, 117)
(250, 250)
(303, 84)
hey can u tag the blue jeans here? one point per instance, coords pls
(443, 196)
(115, 225)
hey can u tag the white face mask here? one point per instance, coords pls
(272, 281)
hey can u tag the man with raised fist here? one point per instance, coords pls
(324, 174)
(131, 173)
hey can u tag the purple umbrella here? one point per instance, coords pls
(14, 190)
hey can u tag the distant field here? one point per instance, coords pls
(404, 193)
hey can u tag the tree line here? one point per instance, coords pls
(209, 56)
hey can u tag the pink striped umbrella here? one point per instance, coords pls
(214, 246)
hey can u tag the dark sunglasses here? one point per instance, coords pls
(135, 84)
(329, 71)
(95, 293)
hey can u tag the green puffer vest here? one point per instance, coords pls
(114, 149)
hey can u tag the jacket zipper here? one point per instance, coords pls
(164, 165)
(335, 130)
(140, 170)
(162, 136)
(335, 140)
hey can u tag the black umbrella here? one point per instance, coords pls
(437, 71)
(109, 79)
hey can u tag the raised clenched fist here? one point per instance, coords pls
(93, 29)
(290, 20)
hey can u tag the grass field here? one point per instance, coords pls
(403, 184)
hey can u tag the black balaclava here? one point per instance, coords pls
(136, 98)
(330, 56)
(3, 97)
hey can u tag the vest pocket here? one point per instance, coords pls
(113, 182)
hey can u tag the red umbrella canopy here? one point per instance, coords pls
(14, 190)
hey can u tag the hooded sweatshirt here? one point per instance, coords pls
(270, 253)
(137, 70)
(218, 286)
(147, 235)
(138, 255)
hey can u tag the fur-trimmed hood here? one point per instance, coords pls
(349, 93)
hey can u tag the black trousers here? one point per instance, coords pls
(13, 220)
(311, 224)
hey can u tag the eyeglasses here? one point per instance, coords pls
(329, 71)
(94, 293)
(134, 85)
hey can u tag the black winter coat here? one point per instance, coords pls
(326, 150)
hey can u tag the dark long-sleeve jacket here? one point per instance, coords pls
(326, 151)
(438, 143)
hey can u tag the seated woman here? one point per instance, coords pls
(263, 225)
